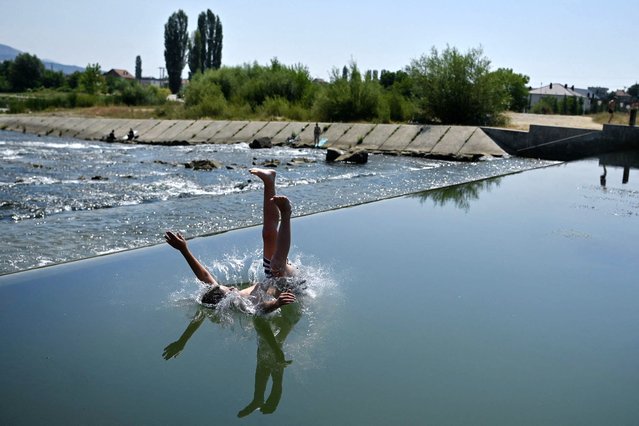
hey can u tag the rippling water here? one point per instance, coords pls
(67, 199)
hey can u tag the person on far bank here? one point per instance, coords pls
(611, 109)
(316, 135)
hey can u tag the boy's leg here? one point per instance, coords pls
(279, 264)
(270, 211)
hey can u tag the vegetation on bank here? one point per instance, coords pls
(448, 87)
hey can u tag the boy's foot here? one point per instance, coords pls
(283, 204)
(267, 175)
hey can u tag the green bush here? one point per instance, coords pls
(349, 98)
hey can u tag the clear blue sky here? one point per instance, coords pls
(584, 43)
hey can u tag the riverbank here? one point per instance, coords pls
(436, 141)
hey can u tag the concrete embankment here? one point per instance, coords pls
(449, 142)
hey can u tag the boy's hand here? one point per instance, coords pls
(285, 298)
(176, 241)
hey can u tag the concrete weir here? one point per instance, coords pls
(450, 142)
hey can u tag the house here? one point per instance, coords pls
(118, 73)
(560, 92)
(623, 98)
(152, 81)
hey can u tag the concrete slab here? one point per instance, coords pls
(379, 135)
(99, 130)
(480, 144)
(355, 134)
(292, 129)
(11, 123)
(90, 128)
(453, 141)
(334, 132)
(226, 134)
(174, 132)
(271, 129)
(190, 134)
(248, 132)
(427, 139)
(71, 126)
(211, 130)
(87, 123)
(154, 134)
(401, 138)
(44, 126)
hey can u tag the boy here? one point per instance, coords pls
(277, 242)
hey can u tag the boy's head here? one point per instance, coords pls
(214, 295)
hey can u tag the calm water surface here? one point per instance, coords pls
(506, 301)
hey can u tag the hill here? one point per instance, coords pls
(8, 53)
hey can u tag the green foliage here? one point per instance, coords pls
(351, 98)
(267, 91)
(134, 93)
(205, 47)
(213, 41)
(53, 79)
(91, 80)
(138, 67)
(25, 72)
(456, 88)
(175, 47)
(634, 90)
(196, 60)
(546, 105)
(516, 85)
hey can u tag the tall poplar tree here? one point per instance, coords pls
(138, 67)
(217, 54)
(176, 40)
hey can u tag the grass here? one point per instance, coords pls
(619, 117)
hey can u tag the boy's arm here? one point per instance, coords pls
(178, 242)
(285, 298)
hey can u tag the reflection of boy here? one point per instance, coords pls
(277, 242)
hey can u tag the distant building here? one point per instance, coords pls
(623, 98)
(118, 73)
(559, 91)
(152, 81)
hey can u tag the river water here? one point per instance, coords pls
(65, 199)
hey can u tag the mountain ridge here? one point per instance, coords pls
(8, 53)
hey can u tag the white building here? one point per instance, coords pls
(559, 91)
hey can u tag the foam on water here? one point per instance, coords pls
(52, 187)
(319, 298)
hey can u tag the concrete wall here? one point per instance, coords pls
(439, 141)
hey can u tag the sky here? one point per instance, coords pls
(581, 43)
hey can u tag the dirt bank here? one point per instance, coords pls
(521, 121)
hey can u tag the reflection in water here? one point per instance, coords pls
(627, 160)
(459, 195)
(271, 334)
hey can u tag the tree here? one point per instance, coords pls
(175, 47)
(91, 80)
(516, 85)
(195, 54)
(138, 67)
(634, 90)
(25, 72)
(217, 50)
(456, 88)
(213, 40)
